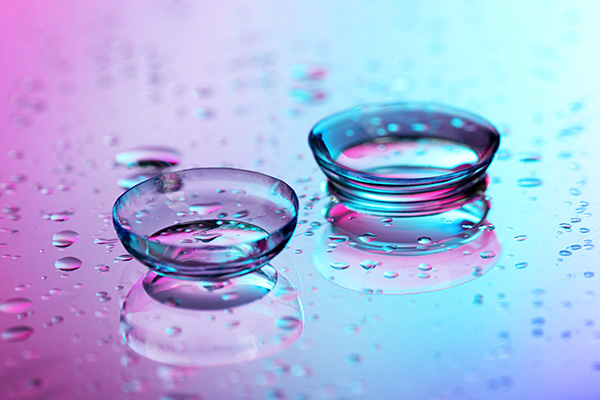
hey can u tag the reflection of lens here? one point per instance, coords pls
(373, 272)
(218, 295)
(408, 235)
(182, 331)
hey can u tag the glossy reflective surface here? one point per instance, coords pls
(240, 84)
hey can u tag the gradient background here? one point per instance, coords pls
(82, 81)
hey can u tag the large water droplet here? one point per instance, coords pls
(68, 263)
(149, 156)
(15, 305)
(64, 238)
(16, 333)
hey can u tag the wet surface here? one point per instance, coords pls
(97, 98)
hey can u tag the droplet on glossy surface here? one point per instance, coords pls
(521, 265)
(425, 267)
(339, 265)
(205, 208)
(424, 240)
(16, 333)
(564, 253)
(64, 238)
(68, 263)
(529, 182)
(338, 238)
(367, 237)
(390, 274)
(149, 156)
(241, 214)
(487, 254)
(520, 238)
(288, 323)
(173, 331)
(369, 264)
(14, 306)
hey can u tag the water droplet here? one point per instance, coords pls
(339, 265)
(521, 265)
(123, 258)
(424, 275)
(425, 267)
(241, 214)
(173, 331)
(390, 274)
(520, 238)
(68, 264)
(487, 254)
(588, 274)
(288, 323)
(369, 264)
(529, 157)
(367, 237)
(205, 208)
(424, 240)
(529, 182)
(230, 296)
(64, 238)
(564, 253)
(16, 333)
(14, 306)
(149, 156)
(338, 238)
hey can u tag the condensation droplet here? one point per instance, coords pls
(64, 239)
(339, 265)
(16, 333)
(68, 263)
(15, 305)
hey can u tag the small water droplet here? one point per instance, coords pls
(369, 264)
(529, 182)
(288, 323)
(339, 265)
(241, 214)
(148, 156)
(424, 240)
(123, 258)
(205, 208)
(390, 274)
(564, 253)
(68, 264)
(173, 331)
(424, 275)
(16, 333)
(338, 238)
(367, 237)
(520, 238)
(425, 267)
(487, 254)
(521, 265)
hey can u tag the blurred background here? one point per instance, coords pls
(240, 84)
